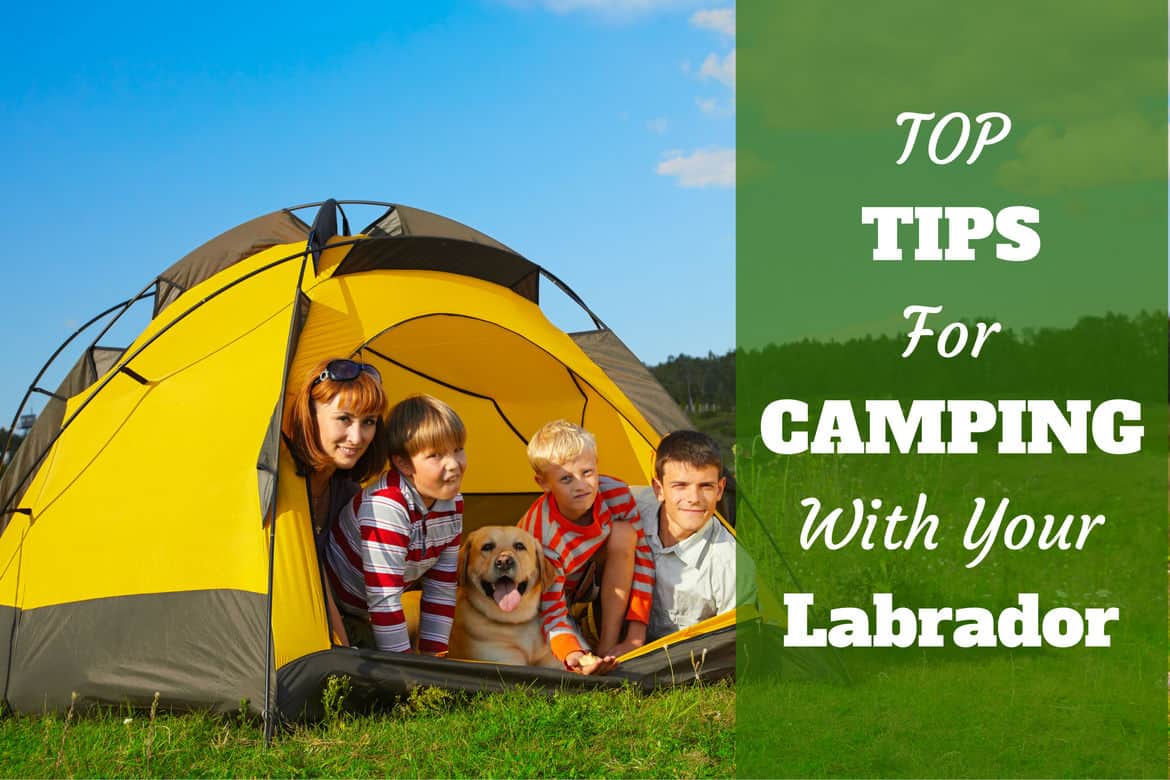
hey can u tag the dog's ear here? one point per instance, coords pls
(464, 550)
(548, 572)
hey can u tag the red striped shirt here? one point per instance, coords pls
(386, 541)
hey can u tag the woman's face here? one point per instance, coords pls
(345, 436)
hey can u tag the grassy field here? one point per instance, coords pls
(935, 719)
(968, 713)
(687, 732)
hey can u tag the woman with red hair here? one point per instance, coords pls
(334, 430)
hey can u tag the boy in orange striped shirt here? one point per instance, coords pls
(592, 535)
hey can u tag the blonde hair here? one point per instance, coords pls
(423, 422)
(558, 442)
(363, 396)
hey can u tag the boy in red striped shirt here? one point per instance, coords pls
(592, 535)
(404, 528)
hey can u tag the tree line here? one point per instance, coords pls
(1099, 357)
(700, 385)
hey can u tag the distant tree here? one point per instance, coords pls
(16, 440)
(699, 384)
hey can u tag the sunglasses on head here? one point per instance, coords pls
(346, 371)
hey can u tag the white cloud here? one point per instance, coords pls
(613, 10)
(713, 107)
(720, 20)
(710, 167)
(722, 70)
(658, 125)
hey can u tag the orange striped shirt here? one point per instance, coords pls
(569, 548)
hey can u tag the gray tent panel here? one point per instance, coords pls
(402, 221)
(226, 249)
(450, 255)
(198, 649)
(268, 460)
(407, 221)
(8, 617)
(635, 380)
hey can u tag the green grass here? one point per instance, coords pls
(969, 713)
(687, 732)
(936, 720)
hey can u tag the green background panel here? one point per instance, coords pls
(821, 86)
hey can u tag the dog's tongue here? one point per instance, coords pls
(506, 595)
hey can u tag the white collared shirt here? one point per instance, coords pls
(694, 579)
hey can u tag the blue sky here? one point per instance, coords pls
(596, 137)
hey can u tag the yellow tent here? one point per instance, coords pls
(154, 530)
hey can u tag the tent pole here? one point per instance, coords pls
(574, 297)
(270, 649)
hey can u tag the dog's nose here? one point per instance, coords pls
(505, 562)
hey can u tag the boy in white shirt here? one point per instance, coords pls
(694, 554)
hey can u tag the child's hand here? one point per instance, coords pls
(622, 648)
(588, 663)
(635, 638)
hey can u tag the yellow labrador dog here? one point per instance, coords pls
(502, 572)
